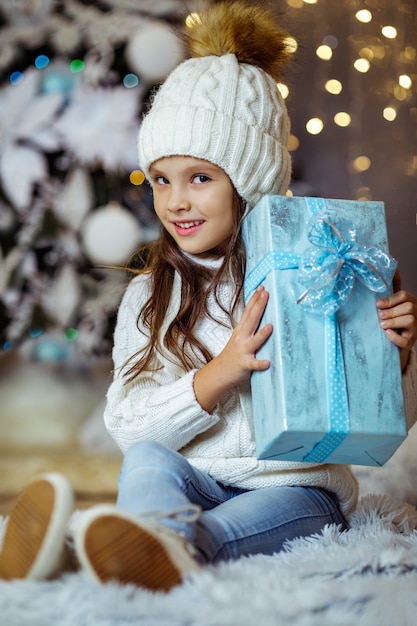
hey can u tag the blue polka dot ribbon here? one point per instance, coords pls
(328, 270)
(274, 260)
(337, 397)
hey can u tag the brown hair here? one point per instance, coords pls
(162, 258)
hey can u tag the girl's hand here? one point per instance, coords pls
(235, 364)
(398, 317)
(238, 358)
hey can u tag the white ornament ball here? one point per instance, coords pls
(153, 51)
(110, 235)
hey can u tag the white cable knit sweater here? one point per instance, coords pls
(161, 406)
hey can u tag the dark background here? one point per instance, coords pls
(323, 163)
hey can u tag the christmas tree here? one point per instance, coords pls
(75, 77)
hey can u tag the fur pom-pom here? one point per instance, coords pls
(249, 32)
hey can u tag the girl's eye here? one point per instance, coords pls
(161, 180)
(200, 178)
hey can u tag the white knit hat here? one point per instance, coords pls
(227, 112)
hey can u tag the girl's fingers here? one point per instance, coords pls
(395, 299)
(399, 322)
(254, 310)
(260, 337)
(402, 340)
(398, 317)
(256, 342)
(402, 331)
(259, 365)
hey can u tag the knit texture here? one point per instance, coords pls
(229, 113)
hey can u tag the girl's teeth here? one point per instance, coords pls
(188, 224)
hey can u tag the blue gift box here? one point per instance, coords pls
(333, 392)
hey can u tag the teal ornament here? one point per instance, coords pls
(57, 79)
(50, 351)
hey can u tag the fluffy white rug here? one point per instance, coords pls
(366, 576)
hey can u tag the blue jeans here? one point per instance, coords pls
(233, 522)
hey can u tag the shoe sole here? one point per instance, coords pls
(113, 547)
(34, 540)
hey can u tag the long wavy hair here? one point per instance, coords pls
(161, 259)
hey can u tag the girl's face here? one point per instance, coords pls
(194, 202)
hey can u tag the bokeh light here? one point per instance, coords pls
(130, 81)
(331, 41)
(408, 55)
(293, 143)
(367, 53)
(41, 61)
(16, 78)
(71, 334)
(363, 194)
(35, 332)
(77, 66)
(333, 86)
(291, 45)
(314, 126)
(390, 32)
(283, 89)
(400, 93)
(389, 113)
(405, 81)
(362, 65)
(342, 119)
(192, 20)
(361, 163)
(364, 16)
(324, 52)
(137, 177)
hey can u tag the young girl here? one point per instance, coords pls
(191, 490)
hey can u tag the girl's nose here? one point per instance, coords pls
(178, 200)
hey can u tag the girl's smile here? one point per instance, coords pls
(187, 228)
(194, 201)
